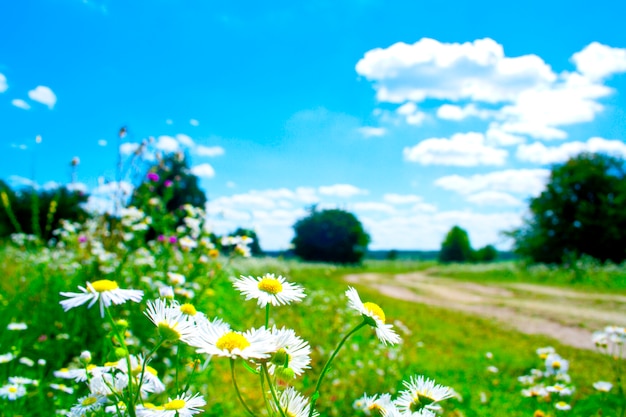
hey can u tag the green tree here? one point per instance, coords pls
(456, 247)
(39, 212)
(486, 254)
(582, 211)
(171, 180)
(330, 236)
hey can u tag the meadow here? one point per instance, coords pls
(50, 359)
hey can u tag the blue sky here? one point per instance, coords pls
(414, 115)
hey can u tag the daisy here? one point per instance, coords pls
(292, 355)
(422, 393)
(22, 380)
(269, 290)
(295, 404)
(392, 411)
(603, 386)
(62, 387)
(6, 357)
(555, 364)
(216, 338)
(374, 405)
(374, 316)
(12, 391)
(87, 404)
(545, 351)
(17, 326)
(562, 405)
(104, 291)
(172, 323)
(182, 406)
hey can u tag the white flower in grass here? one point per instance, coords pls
(269, 290)
(17, 326)
(422, 393)
(182, 406)
(374, 316)
(392, 411)
(22, 380)
(292, 355)
(6, 357)
(105, 291)
(62, 387)
(555, 364)
(88, 404)
(173, 325)
(536, 391)
(374, 405)
(12, 391)
(560, 389)
(545, 351)
(295, 404)
(603, 386)
(108, 384)
(216, 338)
(562, 405)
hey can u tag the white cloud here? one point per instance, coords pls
(521, 181)
(411, 114)
(43, 95)
(128, 148)
(473, 70)
(540, 154)
(18, 102)
(203, 170)
(402, 198)
(462, 149)
(369, 131)
(598, 61)
(526, 97)
(194, 122)
(202, 150)
(3, 83)
(185, 140)
(167, 144)
(102, 142)
(19, 181)
(454, 112)
(494, 198)
(341, 190)
(497, 137)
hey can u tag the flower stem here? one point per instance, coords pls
(232, 372)
(273, 390)
(131, 401)
(316, 393)
(267, 315)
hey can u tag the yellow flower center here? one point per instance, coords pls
(168, 332)
(188, 309)
(174, 405)
(104, 285)
(270, 285)
(375, 310)
(91, 367)
(539, 413)
(214, 253)
(111, 363)
(89, 401)
(12, 390)
(231, 341)
(556, 364)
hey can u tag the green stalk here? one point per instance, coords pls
(131, 401)
(273, 390)
(232, 373)
(267, 315)
(316, 393)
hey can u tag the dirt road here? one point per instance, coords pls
(567, 315)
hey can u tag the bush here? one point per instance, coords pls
(330, 236)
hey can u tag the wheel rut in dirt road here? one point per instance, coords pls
(566, 315)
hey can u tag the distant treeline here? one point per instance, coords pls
(410, 255)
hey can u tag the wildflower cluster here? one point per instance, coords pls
(552, 382)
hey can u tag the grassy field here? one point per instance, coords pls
(474, 356)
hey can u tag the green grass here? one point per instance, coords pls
(448, 346)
